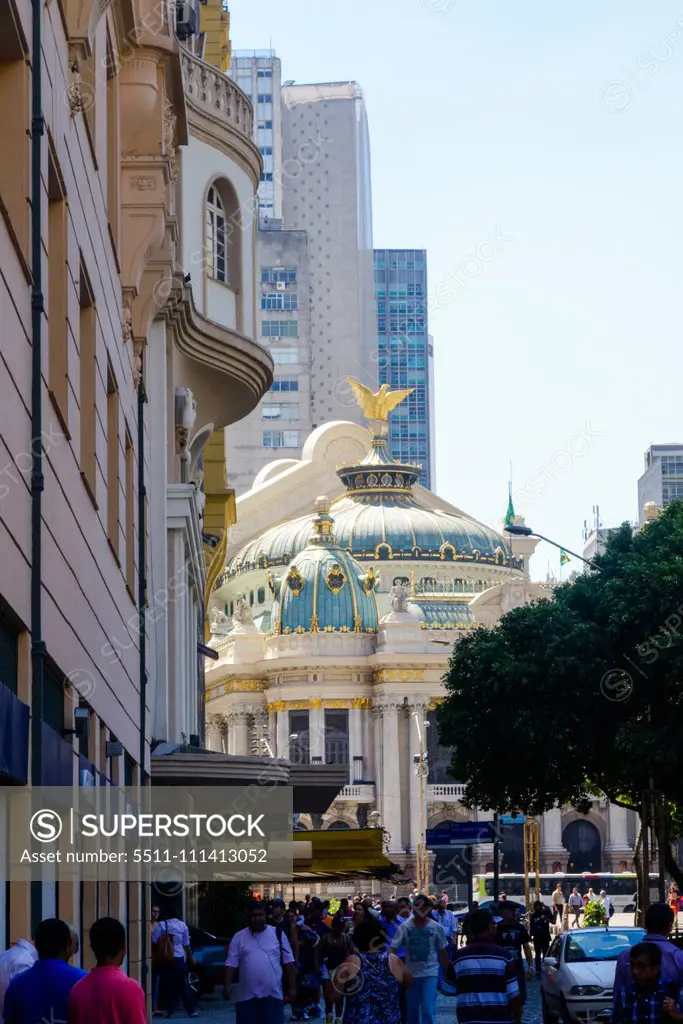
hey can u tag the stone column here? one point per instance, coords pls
(370, 766)
(551, 840)
(316, 729)
(356, 740)
(239, 719)
(215, 729)
(418, 783)
(259, 732)
(282, 738)
(618, 847)
(389, 785)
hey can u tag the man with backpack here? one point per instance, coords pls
(171, 955)
(263, 959)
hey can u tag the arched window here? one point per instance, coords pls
(261, 595)
(216, 236)
(338, 826)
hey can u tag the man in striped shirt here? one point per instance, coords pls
(485, 974)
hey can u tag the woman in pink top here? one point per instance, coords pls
(107, 995)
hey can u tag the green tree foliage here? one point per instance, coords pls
(582, 693)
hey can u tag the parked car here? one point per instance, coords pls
(577, 978)
(209, 954)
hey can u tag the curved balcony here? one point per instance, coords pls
(227, 372)
(220, 113)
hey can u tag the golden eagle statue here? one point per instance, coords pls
(378, 404)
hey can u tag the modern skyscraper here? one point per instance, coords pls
(259, 74)
(327, 193)
(662, 481)
(316, 302)
(405, 353)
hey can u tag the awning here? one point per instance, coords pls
(342, 853)
(314, 786)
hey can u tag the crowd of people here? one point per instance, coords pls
(355, 960)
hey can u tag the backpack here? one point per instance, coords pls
(162, 950)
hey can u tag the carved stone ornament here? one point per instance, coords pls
(170, 137)
(218, 622)
(137, 364)
(74, 90)
(242, 613)
(144, 183)
(126, 324)
(398, 596)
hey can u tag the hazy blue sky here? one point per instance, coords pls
(559, 126)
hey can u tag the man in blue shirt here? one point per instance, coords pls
(42, 992)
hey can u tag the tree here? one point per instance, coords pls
(580, 694)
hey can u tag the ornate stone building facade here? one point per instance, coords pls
(333, 622)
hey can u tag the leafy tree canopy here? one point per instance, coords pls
(582, 693)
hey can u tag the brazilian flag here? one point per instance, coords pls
(510, 514)
(564, 557)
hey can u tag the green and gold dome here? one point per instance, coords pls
(324, 590)
(380, 518)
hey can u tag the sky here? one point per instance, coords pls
(535, 150)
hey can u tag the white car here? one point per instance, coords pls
(577, 979)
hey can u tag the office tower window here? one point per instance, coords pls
(267, 176)
(285, 384)
(265, 97)
(281, 439)
(280, 411)
(278, 275)
(130, 513)
(264, 74)
(265, 126)
(284, 355)
(57, 288)
(216, 236)
(279, 300)
(266, 150)
(279, 328)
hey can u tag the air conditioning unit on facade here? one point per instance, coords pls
(281, 286)
(186, 21)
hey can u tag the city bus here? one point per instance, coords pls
(620, 887)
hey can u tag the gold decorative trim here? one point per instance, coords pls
(398, 675)
(388, 547)
(370, 581)
(245, 685)
(361, 702)
(315, 702)
(336, 578)
(277, 705)
(445, 548)
(314, 626)
(295, 581)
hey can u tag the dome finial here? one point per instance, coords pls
(377, 405)
(323, 522)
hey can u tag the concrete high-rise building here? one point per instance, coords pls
(327, 193)
(405, 353)
(258, 73)
(316, 305)
(662, 481)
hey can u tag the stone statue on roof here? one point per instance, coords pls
(398, 597)
(242, 614)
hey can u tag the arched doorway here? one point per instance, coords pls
(581, 840)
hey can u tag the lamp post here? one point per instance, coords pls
(422, 771)
(526, 531)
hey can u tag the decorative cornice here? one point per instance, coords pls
(434, 703)
(315, 703)
(361, 702)
(398, 675)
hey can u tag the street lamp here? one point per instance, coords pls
(526, 531)
(422, 771)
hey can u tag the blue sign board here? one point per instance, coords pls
(461, 833)
(512, 819)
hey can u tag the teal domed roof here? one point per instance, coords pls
(325, 590)
(380, 518)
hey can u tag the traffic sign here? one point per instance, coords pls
(512, 819)
(461, 833)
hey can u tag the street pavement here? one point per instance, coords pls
(214, 1011)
